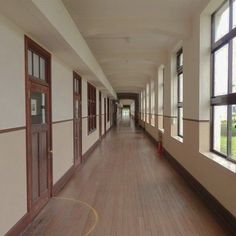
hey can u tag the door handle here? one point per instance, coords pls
(50, 151)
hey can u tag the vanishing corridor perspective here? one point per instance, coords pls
(117, 117)
(127, 202)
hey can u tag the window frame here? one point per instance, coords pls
(108, 109)
(92, 108)
(180, 105)
(229, 98)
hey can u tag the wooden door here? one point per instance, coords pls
(77, 120)
(38, 115)
(105, 116)
(100, 115)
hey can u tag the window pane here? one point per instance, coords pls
(30, 55)
(222, 21)
(234, 13)
(221, 71)
(38, 108)
(181, 59)
(234, 67)
(233, 132)
(42, 69)
(180, 81)
(36, 65)
(220, 129)
(180, 122)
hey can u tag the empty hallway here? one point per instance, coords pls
(134, 191)
(117, 117)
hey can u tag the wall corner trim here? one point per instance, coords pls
(20, 226)
(58, 186)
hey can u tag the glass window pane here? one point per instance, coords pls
(220, 129)
(222, 21)
(234, 67)
(30, 55)
(180, 122)
(233, 132)
(42, 69)
(221, 71)
(181, 59)
(38, 108)
(180, 81)
(36, 65)
(234, 13)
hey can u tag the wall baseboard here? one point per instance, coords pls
(227, 219)
(58, 186)
(20, 226)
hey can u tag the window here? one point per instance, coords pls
(108, 109)
(147, 103)
(91, 108)
(141, 105)
(223, 94)
(152, 103)
(161, 97)
(144, 106)
(180, 92)
(36, 66)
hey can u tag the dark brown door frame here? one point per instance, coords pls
(105, 116)
(32, 84)
(77, 134)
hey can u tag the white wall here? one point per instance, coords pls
(12, 75)
(13, 180)
(13, 183)
(62, 109)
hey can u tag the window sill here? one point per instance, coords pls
(178, 138)
(91, 131)
(220, 160)
(161, 130)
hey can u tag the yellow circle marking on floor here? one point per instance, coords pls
(87, 205)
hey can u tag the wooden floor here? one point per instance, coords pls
(134, 192)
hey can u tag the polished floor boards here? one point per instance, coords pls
(133, 191)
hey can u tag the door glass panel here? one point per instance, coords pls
(233, 132)
(76, 109)
(36, 65)
(221, 71)
(42, 69)
(220, 129)
(38, 108)
(30, 55)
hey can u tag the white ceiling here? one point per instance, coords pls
(130, 38)
(126, 102)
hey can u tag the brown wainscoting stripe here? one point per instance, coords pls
(223, 215)
(170, 116)
(196, 120)
(20, 226)
(58, 186)
(62, 121)
(12, 129)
